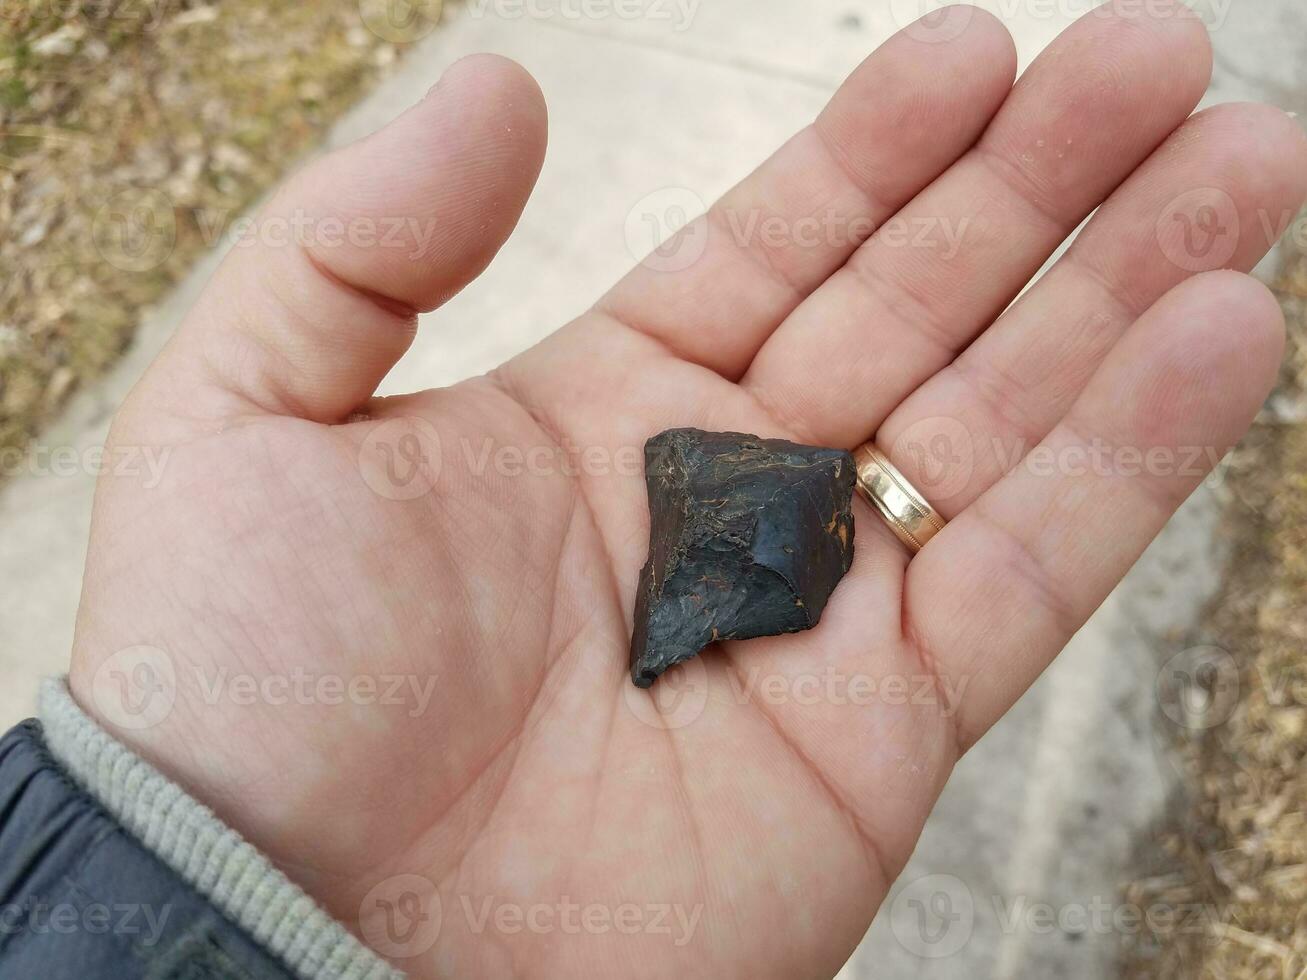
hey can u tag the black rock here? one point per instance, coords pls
(748, 537)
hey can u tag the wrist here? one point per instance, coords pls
(207, 853)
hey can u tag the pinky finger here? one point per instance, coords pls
(1002, 589)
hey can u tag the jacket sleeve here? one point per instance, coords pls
(108, 871)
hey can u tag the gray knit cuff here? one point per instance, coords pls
(207, 854)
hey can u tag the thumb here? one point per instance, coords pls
(319, 296)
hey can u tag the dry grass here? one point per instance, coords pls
(131, 133)
(1237, 842)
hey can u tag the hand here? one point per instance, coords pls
(763, 794)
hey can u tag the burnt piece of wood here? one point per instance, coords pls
(748, 537)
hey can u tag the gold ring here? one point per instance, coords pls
(907, 513)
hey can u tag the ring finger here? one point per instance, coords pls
(1216, 195)
(1090, 109)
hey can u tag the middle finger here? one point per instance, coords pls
(1103, 96)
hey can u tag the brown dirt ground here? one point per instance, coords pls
(1236, 841)
(129, 131)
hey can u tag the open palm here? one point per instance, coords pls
(461, 564)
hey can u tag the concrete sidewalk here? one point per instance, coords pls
(1049, 808)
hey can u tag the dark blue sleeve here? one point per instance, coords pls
(80, 899)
